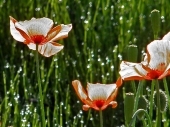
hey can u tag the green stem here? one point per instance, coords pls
(133, 86)
(158, 105)
(137, 99)
(146, 114)
(101, 118)
(40, 89)
(151, 99)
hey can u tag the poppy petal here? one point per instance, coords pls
(85, 107)
(100, 91)
(159, 51)
(110, 98)
(31, 46)
(166, 72)
(166, 37)
(34, 26)
(53, 32)
(49, 49)
(132, 71)
(113, 103)
(79, 90)
(59, 32)
(119, 82)
(14, 32)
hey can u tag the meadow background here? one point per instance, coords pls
(102, 29)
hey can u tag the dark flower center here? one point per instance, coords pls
(154, 74)
(99, 103)
(38, 39)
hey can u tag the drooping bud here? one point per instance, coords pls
(128, 107)
(132, 53)
(142, 104)
(163, 98)
(155, 21)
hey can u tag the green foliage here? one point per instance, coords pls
(92, 53)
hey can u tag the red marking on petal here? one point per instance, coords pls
(154, 74)
(38, 39)
(99, 103)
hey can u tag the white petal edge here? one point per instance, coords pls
(100, 91)
(65, 29)
(166, 37)
(165, 72)
(159, 51)
(129, 70)
(32, 46)
(40, 26)
(79, 89)
(16, 35)
(47, 49)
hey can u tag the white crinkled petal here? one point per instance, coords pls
(100, 91)
(129, 69)
(32, 46)
(159, 51)
(166, 37)
(15, 33)
(63, 32)
(49, 49)
(34, 26)
(80, 90)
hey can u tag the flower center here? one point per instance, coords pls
(38, 39)
(99, 103)
(154, 74)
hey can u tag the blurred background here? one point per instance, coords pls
(102, 30)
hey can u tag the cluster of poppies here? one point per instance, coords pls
(98, 96)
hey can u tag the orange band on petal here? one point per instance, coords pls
(28, 40)
(12, 19)
(119, 82)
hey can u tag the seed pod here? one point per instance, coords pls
(132, 53)
(142, 104)
(155, 20)
(163, 99)
(128, 107)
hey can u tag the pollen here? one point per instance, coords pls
(38, 39)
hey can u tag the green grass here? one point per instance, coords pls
(92, 53)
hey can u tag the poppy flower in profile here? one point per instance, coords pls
(39, 31)
(156, 64)
(98, 96)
